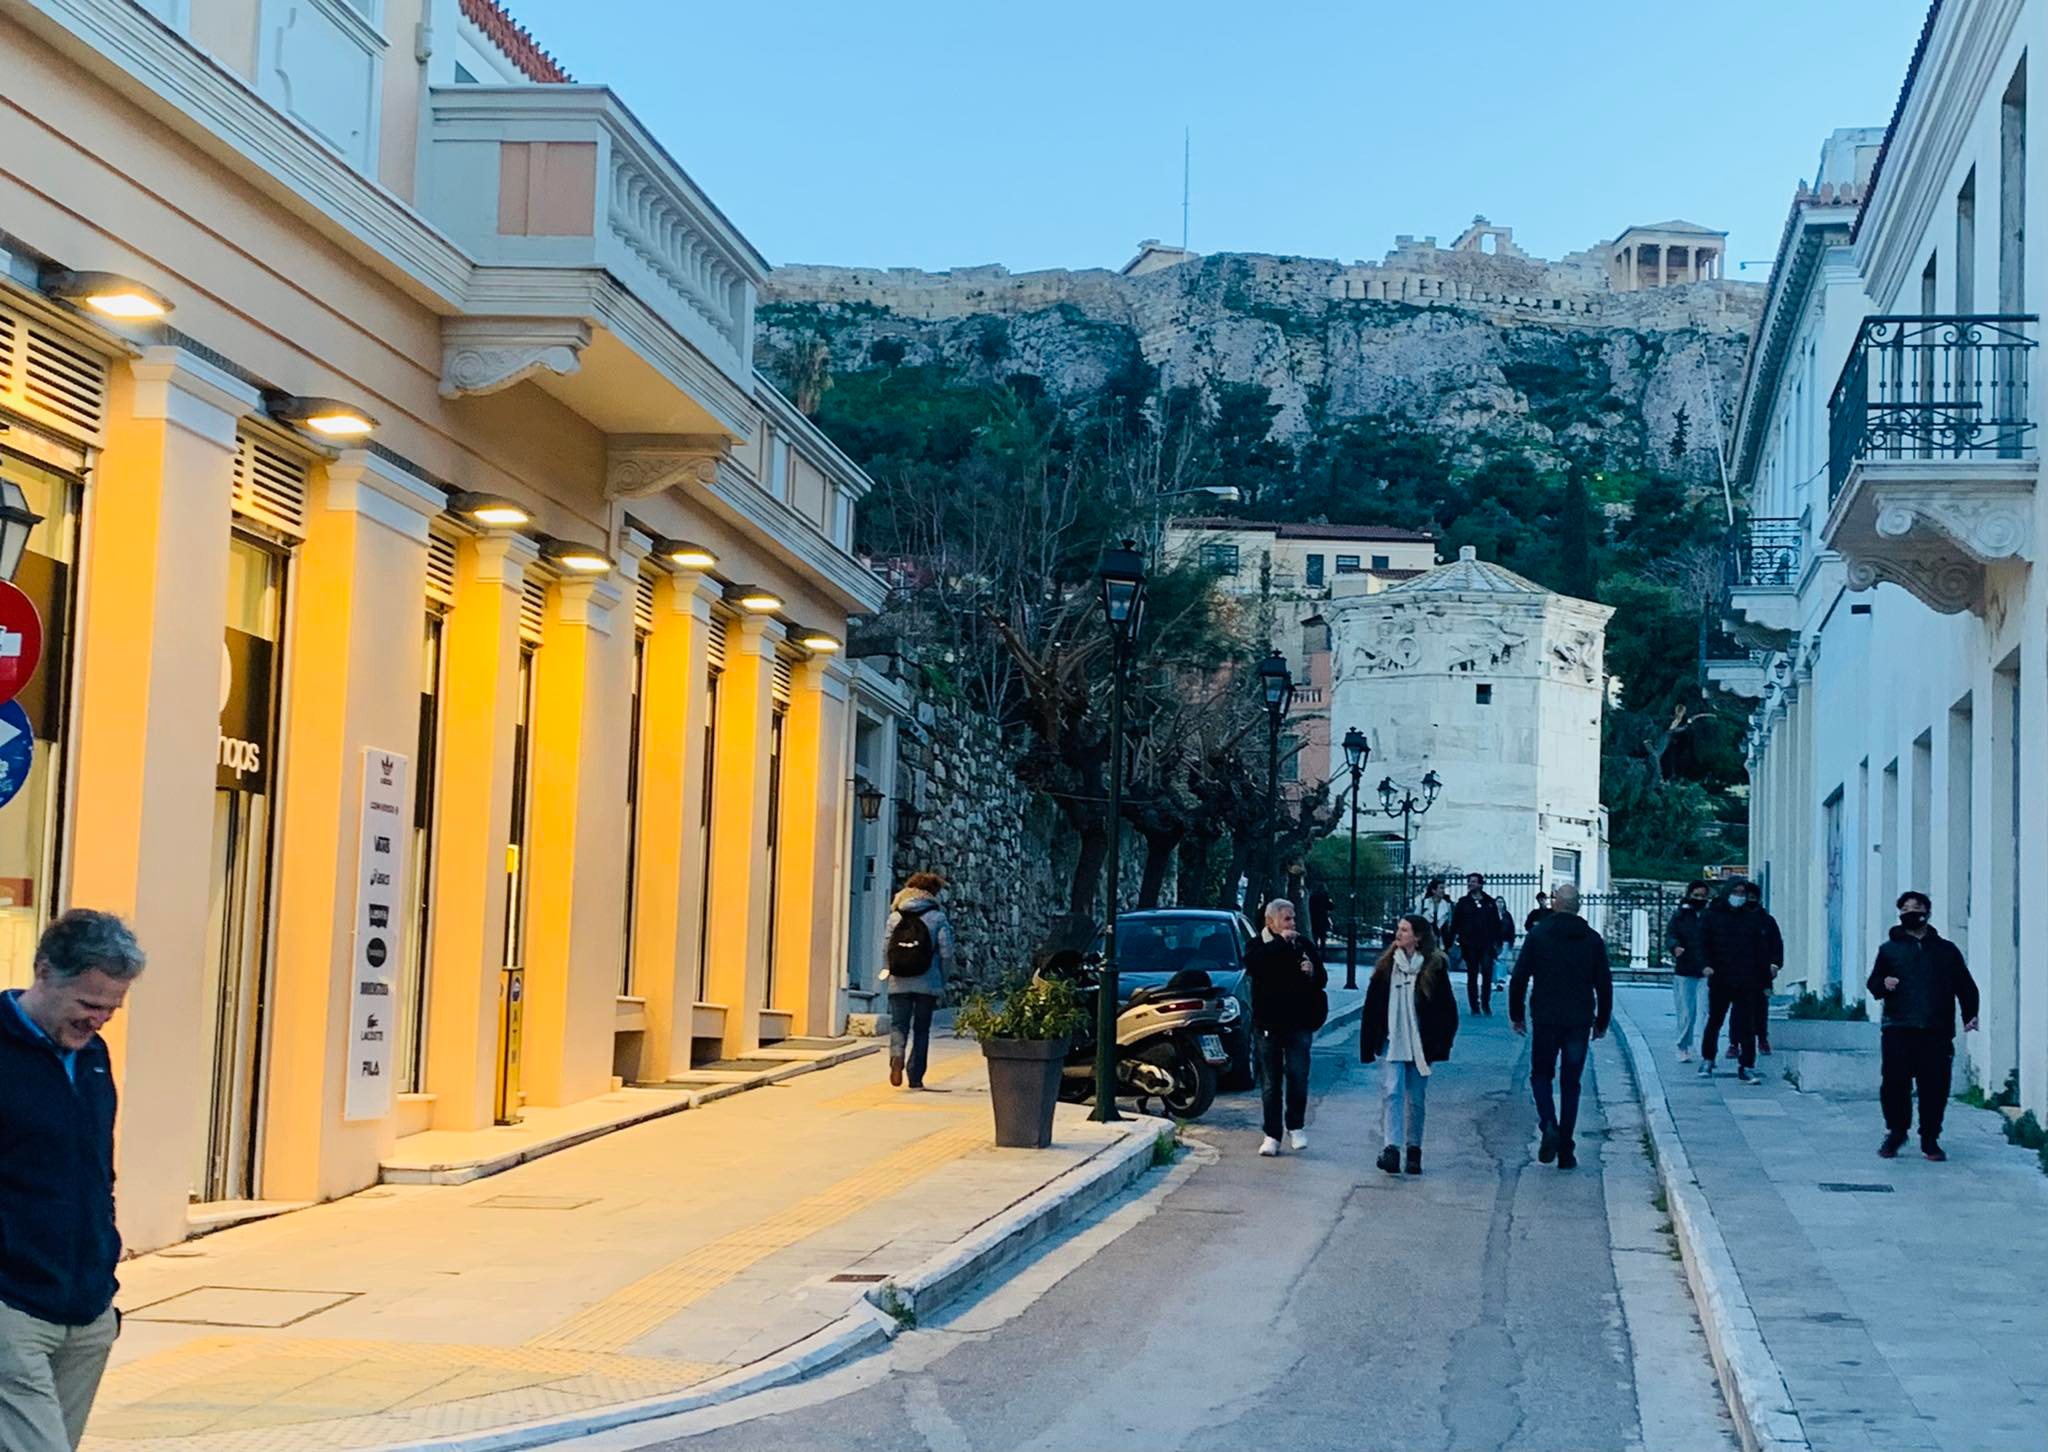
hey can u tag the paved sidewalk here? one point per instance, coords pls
(665, 1260)
(1905, 1303)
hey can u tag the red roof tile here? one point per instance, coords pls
(515, 40)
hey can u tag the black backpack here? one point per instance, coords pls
(911, 948)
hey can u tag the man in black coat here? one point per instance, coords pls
(1475, 933)
(1922, 979)
(59, 1247)
(1743, 950)
(1564, 972)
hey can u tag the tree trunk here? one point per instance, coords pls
(1195, 872)
(1085, 890)
(1159, 847)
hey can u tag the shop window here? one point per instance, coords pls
(775, 741)
(410, 1061)
(31, 840)
(704, 844)
(633, 809)
(1347, 564)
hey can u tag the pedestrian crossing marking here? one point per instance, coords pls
(634, 1310)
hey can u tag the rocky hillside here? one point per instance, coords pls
(1489, 354)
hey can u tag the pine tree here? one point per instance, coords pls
(1578, 538)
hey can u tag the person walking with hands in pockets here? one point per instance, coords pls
(1409, 1020)
(1288, 1005)
(1922, 979)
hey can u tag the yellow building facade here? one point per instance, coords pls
(440, 611)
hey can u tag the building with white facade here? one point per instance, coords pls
(1887, 449)
(1498, 686)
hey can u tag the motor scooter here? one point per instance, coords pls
(1169, 1039)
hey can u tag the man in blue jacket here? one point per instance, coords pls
(59, 1246)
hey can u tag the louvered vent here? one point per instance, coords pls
(785, 678)
(643, 604)
(533, 606)
(47, 377)
(441, 569)
(270, 485)
(715, 644)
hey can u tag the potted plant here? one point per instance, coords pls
(1024, 1038)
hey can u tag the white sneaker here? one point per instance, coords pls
(1269, 1146)
(1685, 1056)
(1297, 1138)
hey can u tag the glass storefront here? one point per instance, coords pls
(238, 927)
(704, 844)
(410, 1065)
(31, 839)
(775, 737)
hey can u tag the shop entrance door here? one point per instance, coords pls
(238, 925)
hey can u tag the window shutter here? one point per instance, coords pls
(270, 485)
(533, 606)
(784, 680)
(48, 377)
(715, 643)
(643, 604)
(440, 569)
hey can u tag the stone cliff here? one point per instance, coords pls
(1485, 350)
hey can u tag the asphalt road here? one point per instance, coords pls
(1311, 1301)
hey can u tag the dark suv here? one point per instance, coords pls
(1154, 945)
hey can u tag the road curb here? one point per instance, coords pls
(1751, 1382)
(867, 1326)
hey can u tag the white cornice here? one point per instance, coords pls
(1791, 287)
(1956, 76)
(808, 437)
(182, 388)
(857, 589)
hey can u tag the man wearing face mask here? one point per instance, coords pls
(1922, 979)
(1743, 950)
(1688, 962)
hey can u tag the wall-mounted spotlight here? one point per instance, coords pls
(328, 417)
(580, 559)
(492, 510)
(109, 294)
(754, 599)
(684, 555)
(817, 642)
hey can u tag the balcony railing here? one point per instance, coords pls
(1926, 387)
(1766, 554)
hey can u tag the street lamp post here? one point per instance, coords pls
(1277, 683)
(1357, 752)
(1407, 809)
(1123, 605)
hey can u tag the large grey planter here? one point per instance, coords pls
(1024, 1086)
(1824, 1034)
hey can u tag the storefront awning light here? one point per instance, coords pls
(687, 556)
(492, 510)
(109, 294)
(817, 642)
(754, 599)
(578, 559)
(328, 417)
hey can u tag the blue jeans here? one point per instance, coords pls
(1686, 992)
(910, 1028)
(1283, 1070)
(1559, 1051)
(1404, 1098)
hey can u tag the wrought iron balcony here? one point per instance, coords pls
(1744, 673)
(1932, 457)
(1763, 564)
(1926, 387)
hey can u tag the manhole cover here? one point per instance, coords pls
(535, 1202)
(1840, 1187)
(862, 1278)
(240, 1306)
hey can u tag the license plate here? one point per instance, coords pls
(1212, 1049)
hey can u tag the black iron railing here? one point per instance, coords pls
(1765, 554)
(1926, 387)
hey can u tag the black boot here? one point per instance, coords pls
(1414, 1159)
(1893, 1139)
(1546, 1149)
(1390, 1160)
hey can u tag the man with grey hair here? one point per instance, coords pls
(1571, 1002)
(57, 1257)
(1288, 1005)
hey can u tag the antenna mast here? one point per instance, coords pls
(1186, 161)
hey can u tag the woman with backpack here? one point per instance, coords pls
(1409, 1019)
(918, 953)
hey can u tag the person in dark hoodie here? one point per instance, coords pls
(1564, 973)
(59, 1246)
(1409, 1019)
(1922, 979)
(1688, 962)
(1289, 1004)
(1743, 950)
(1475, 931)
(919, 952)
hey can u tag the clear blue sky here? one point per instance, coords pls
(929, 134)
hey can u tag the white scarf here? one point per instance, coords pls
(1404, 1034)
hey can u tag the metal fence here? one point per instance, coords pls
(1632, 919)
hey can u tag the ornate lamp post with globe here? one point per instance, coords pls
(1276, 683)
(1357, 752)
(1407, 809)
(1122, 576)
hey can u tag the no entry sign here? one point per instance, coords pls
(21, 640)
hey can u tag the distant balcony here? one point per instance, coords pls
(1932, 460)
(1764, 561)
(578, 217)
(1745, 675)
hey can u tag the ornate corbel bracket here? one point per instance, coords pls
(484, 355)
(639, 465)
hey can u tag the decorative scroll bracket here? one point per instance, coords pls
(640, 465)
(484, 355)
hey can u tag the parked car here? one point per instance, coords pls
(1153, 945)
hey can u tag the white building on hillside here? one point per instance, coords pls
(1901, 740)
(1497, 685)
